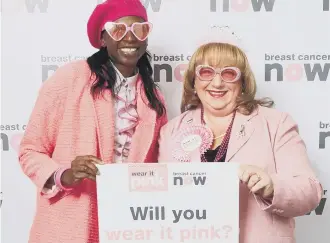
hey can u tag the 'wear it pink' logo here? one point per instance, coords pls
(146, 178)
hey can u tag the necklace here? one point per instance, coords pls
(220, 136)
(224, 144)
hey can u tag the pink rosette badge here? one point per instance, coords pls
(187, 141)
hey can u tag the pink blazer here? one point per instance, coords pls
(66, 122)
(272, 142)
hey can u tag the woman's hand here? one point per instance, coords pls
(257, 180)
(81, 167)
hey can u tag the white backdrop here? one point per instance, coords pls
(39, 35)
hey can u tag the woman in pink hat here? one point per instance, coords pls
(104, 110)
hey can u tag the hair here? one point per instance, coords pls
(105, 77)
(220, 54)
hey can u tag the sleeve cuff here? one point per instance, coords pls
(263, 203)
(49, 193)
(272, 205)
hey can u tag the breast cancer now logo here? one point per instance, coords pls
(297, 67)
(324, 134)
(148, 178)
(189, 179)
(326, 5)
(167, 68)
(11, 141)
(11, 136)
(242, 5)
(320, 208)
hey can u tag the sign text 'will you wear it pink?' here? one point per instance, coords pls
(175, 234)
(160, 202)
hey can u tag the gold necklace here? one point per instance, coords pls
(220, 136)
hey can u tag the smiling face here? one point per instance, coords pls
(129, 49)
(218, 94)
(218, 86)
(216, 72)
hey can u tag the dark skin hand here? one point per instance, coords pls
(82, 167)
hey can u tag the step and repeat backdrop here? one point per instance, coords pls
(287, 42)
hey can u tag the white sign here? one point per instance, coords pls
(174, 202)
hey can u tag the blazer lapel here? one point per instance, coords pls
(144, 131)
(105, 125)
(194, 118)
(241, 132)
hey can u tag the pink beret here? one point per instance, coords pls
(111, 10)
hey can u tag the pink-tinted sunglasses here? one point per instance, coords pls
(227, 74)
(117, 31)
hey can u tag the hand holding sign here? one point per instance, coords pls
(81, 167)
(257, 180)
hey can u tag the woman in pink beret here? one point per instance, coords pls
(229, 124)
(92, 112)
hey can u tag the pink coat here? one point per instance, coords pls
(67, 122)
(272, 142)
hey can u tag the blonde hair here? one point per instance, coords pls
(219, 54)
